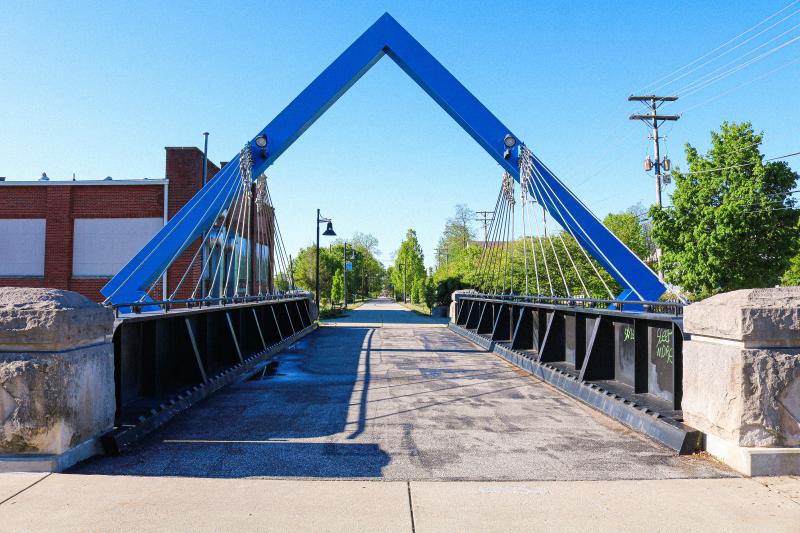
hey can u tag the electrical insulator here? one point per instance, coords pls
(666, 163)
(648, 163)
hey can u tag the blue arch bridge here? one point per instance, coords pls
(607, 338)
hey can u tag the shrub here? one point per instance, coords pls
(444, 289)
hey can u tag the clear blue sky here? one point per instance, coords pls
(100, 88)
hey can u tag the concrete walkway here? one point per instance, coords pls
(64, 502)
(384, 312)
(399, 426)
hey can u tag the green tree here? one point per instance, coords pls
(409, 262)
(457, 235)
(282, 282)
(732, 223)
(366, 241)
(429, 293)
(417, 291)
(366, 278)
(630, 229)
(792, 274)
(337, 287)
(305, 268)
(388, 283)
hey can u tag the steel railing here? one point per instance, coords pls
(666, 308)
(197, 303)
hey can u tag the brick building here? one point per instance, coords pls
(76, 235)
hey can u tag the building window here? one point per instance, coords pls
(22, 247)
(102, 246)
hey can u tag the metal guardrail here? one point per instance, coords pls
(668, 308)
(199, 303)
(165, 361)
(627, 363)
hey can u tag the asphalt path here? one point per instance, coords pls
(384, 312)
(388, 394)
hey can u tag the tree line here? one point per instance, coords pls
(733, 223)
(365, 279)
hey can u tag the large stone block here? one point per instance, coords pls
(749, 397)
(56, 371)
(756, 317)
(741, 377)
(51, 402)
(50, 320)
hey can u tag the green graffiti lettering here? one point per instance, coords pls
(628, 334)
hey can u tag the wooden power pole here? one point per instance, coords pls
(485, 217)
(654, 120)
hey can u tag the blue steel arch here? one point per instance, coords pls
(385, 37)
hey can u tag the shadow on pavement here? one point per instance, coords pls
(248, 429)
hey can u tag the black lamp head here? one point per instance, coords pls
(329, 230)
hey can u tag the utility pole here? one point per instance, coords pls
(443, 251)
(205, 251)
(653, 120)
(485, 217)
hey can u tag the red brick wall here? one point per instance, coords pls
(118, 201)
(58, 237)
(185, 174)
(60, 205)
(23, 202)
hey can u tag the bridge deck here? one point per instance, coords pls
(386, 395)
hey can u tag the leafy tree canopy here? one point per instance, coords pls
(792, 274)
(337, 287)
(630, 228)
(366, 277)
(733, 222)
(409, 261)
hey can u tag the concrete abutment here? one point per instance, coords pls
(741, 378)
(56, 378)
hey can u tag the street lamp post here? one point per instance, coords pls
(344, 272)
(204, 289)
(329, 233)
(344, 266)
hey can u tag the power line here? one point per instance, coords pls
(738, 166)
(743, 208)
(652, 85)
(769, 195)
(788, 195)
(720, 95)
(742, 56)
(693, 88)
(609, 161)
(726, 52)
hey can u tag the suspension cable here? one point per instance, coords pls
(206, 238)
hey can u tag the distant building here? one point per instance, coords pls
(76, 235)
